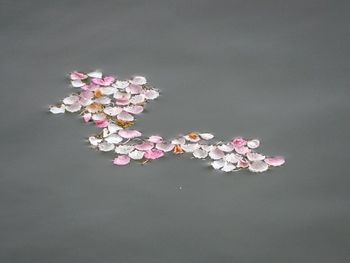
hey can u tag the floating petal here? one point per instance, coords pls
(71, 100)
(258, 166)
(114, 138)
(253, 144)
(134, 89)
(77, 83)
(190, 147)
(74, 107)
(192, 137)
(242, 150)
(121, 84)
(145, 146)
(206, 136)
(136, 155)
(56, 110)
(134, 109)
(77, 75)
(216, 154)
(154, 154)
(137, 99)
(124, 116)
(94, 141)
(129, 134)
(165, 147)
(95, 74)
(121, 160)
(87, 117)
(231, 158)
(275, 161)
(124, 149)
(226, 147)
(138, 80)
(228, 167)
(155, 139)
(238, 142)
(200, 153)
(255, 156)
(151, 94)
(218, 164)
(106, 146)
(102, 123)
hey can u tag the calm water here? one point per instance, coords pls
(276, 70)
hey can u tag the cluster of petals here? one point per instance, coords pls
(113, 105)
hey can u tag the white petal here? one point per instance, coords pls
(113, 138)
(138, 99)
(74, 107)
(121, 84)
(216, 154)
(165, 147)
(206, 136)
(112, 111)
(136, 155)
(94, 141)
(124, 116)
(252, 144)
(71, 100)
(226, 147)
(258, 166)
(218, 164)
(124, 149)
(85, 102)
(255, 156)
(105, 132)
(103, 100)
(200, 153)
(56, 110)
(77, 83)
(207, 148)
(190, 147)
(98, 116)
(108, 90)
(228, 167)
(231, 158)
(151, 94)
(113, 128)
(138, 80)
(106, 146)
(95, 74)
(179, 141)
(121, 95)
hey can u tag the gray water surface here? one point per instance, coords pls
(274, 70)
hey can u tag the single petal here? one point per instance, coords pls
(231, 158)
(87, 117)
(87, 94)
(98, 116)
(134, 89)
(216, 154)
(138, 80)
(242, 150)
(151, 94)
(95, 74)
(129, 134)
(253, 144)
(71, 100)
(145, 146)
(218, 164)
(243, 164)
(180, 140)
(190, 147)
(113, 128)
(206, 136)
(114, 138)
(155, 139)
(94, 141)
(77, 83)
(153, 154)
(77, 75)
(200, 153)
(108, 90)
(112, 111)
(275, 161)
(121, 84)
(207, 148)
(106, 146)
(192, 137)
(136, 155)
(228, 167)
(104, 100)
(74, 107)
(56, 110)
(124, 116)
(124, 149)
(238, 142)
(102, 123)
(134, 109)
(255, 156)
(226, 147)
(165, 147)
(137, 99)
(258, 166)
(121, 160)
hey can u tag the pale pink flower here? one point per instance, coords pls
(154, 154)
(121, 160)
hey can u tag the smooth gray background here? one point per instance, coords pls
(276, 70)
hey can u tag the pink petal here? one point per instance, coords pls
(153, 154)
(129, 134)
(121, 160)
(275, 161)
(87, 117)
(102, 123)
(243, 164)
(122, 101)
(155, 139)
(77, 75)
(138, 80)
(238, 142)
(108, 80)
(87, 94)
(97, 81)
(134, 89)
(145, 146)
(242, 150)
(135, 109)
